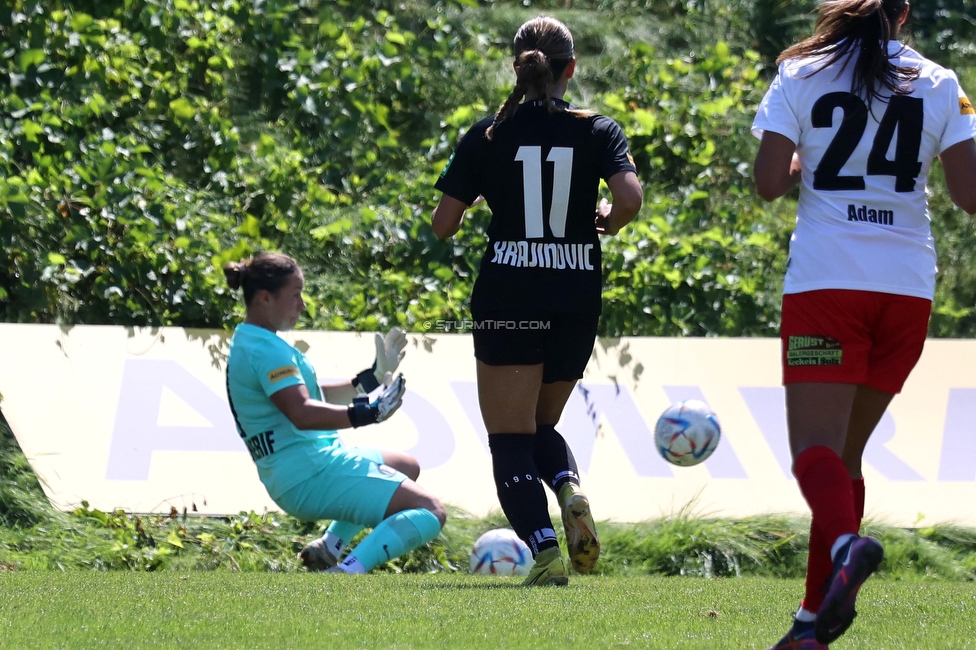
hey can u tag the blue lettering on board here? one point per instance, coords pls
(878, 456)
(435, 439)
(767, 404)
(768, 408)
(137, 434)
(580, 424)
(958, 462)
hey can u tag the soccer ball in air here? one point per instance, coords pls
(687, 433)
(501, 552)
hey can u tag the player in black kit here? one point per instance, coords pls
(536, 302)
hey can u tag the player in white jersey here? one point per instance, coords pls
(288, 422)
(856, 119)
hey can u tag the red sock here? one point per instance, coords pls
(819, 568)
(857, 484)
(819, 564)
(826, 486)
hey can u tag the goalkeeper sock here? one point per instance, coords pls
(554, 458)
(339, 534)
(392, 537)
(520, 491)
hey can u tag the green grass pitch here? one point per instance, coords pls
(77, 609)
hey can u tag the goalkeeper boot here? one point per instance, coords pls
(800, 637)
(549, 569)
(581, 539)
(855, 562)
(317, 556)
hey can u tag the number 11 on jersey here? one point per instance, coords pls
(531, 159)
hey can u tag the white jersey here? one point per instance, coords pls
(862, 218)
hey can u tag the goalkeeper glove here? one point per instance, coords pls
(389, 353)
(366, 410)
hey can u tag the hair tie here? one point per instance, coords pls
(242, 271)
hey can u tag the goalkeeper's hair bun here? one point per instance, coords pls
(235, 272)
(265, 271)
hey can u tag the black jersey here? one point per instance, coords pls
(540, 177)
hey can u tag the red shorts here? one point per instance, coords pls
(839, 336)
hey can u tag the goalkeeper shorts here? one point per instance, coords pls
(352, 485)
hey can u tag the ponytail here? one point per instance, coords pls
(543, 48)
(533, 72)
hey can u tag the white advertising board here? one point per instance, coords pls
(139, 420)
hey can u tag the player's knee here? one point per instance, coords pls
(439, 511)
(411, 467)
(435, 507)
(403, 463)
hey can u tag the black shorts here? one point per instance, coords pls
(563, 342)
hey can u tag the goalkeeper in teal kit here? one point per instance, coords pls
(289, 424)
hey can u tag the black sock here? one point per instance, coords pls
(520, 492)
(554, 458)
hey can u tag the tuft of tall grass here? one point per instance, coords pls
(36, 536)
(688, 545)
(22, 501)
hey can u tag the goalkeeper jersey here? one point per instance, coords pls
(259, 364)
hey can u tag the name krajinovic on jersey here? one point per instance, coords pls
(523, 254)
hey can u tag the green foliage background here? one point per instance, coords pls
(144, 143)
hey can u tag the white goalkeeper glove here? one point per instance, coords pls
(389, 353)
(371, 409)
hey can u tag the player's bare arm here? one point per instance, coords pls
(959, 163)
(308, 414)
(446, 220)
(627, 199)
(777, 168)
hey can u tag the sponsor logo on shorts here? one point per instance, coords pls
(281, 373)
(386, 470)
(813, 351)
(966, 107)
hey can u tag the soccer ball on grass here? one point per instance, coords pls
(501, 552)
(687, 433)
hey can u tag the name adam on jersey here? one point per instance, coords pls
(539, 254)
(870, 215)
